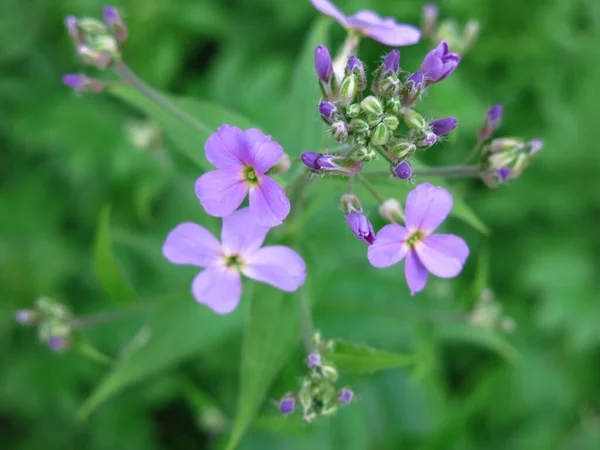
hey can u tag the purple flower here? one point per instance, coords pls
(313, 360)
(74, 33)
(58, 343)
(25, 317)
(382, 29)
(242, 159)
(327, 110)
(491, 123)
(403, 171)
(391, 63)
(503, 173)
(81, 83)
(535, 145)
(323, 64)
(443, 126)
(339, 165)
(309, 159)
(287, 405)
(443, 255)
(345, 396)
(219, 285)
(361, 227)
(439, 63)
(114, 21)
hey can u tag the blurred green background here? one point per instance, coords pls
(65, 157)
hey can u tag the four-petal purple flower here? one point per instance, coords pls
(219, 285)
(439, 63)
(242, 159)
(382, 29)
(443, 255)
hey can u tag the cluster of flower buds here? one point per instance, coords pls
(487, 314)
(53, 320)
(448, 30)
(369, 125)
(503, 158)
(97, 44)
(318, 395)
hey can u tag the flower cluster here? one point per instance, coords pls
(318, 396)
(53, 320)
(370, 124)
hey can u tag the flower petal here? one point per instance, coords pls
(329, 9)
(443, 254)
(189, 243)
(388, 247)
(427, 206)
(384, 29)
(269, 202)
(415, 272)
(221, 191)
(278, 266)
(264, 153)
(227, 147)
(241, 232)
(218, 288)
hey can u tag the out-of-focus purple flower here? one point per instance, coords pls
(327, 110)
(439, 63)
(74, 33)
(323, 64)
(25, 317)
(490, 123)
(81, 83)
(443, 126)
(219, 285)
(382, 29)
(58, 343)
(443, 255)
(309, 159)
(361, 227)
(412, 88)
(494, 178)
(114, 21)
(287, 405)
(242, 159)
(345, 396)
(503, 173)
(535, 145)
(313, 360)
(339, 165)
(430, 15)
(403, 170)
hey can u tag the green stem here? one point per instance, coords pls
(383, 153)
(370, 188)
(449, 171)
(473, 153)
(130, 77)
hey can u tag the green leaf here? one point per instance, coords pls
(89, 351)
(301, 127)
(188, 136)
(107, 265)
(272, 333)
(180, 329)
(350, 357)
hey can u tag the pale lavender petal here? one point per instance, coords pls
(384, 29)
(269, 202)
(388, 247)
(443, 254)
(227, 147)
(415, 272)
(427, 206)
(241, 232)
(276, 265)
(329, 9)
(218, 288)
(264, 153)
(189, 243)
(221, 191)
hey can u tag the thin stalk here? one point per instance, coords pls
(370, 188)
(450, 171)
(130, 77)
(383, 153)
(473, 153)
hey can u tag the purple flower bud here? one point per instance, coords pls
(81, 83)
(71, 24)
(443, 126)
(58, 344)
(491, 123)
(439, 63)
(429, 140)
(350, 204)
(323, 64)
(114, 21)
(361, 227)
(339, 165)
(313, 360)
(287, 405)
(391, 63)
(413, 88)
(356, 67)
(346, 396)
(25, 317)
(93, 57)
(339, 131)
(309, 159)
(494, 115)
(430, 15)
(535, 145)
(503, 173)
(403, 171)
(327, 110)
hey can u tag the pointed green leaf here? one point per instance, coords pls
(350, 357)
(272, 333)
(107, 265)
(187, 135)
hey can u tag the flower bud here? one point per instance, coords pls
(327, 111)
(372, 106)
(26, 317)
(391, 64)
(287, 405)
(439, 63)
(391, 210)
(402, 150)
(505, 144)
(429, 140)
(339, 165)
(470, 34)
(355, 66)
(429, 19)
(91, 27)
(59, 343)
(115, 23)
(359, 126)
(443, 126)
(354, 110)
(350, 204)
(403, 171)
(81, 83)
(389, 87)
(339, 131)
(414, 120)
(305, 396)
(361, 227)
(535, 145)
(380, 135)
(330, 373)
(309, 159)
(323, 64)
(494, 178)
(283, 164)
(74, 33)
(391, 122)
(366, 154)
(394, 106)
(346, 396)
(412, 89)
(93, 57)
(313, 360)
(348, 90)
(491, 123)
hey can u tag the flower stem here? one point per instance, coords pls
(383, 153)
(130, 77)
(450, 171)
(473, 153)
(370, 188)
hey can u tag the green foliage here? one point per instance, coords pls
(360, 358)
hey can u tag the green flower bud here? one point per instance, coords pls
(372, 106)
(305, 397)
(366, 154)
(339, 131)
(394, 106)
(359, 126)
(91, 26)
(380, 135)
(348, 90)
(350, 204)
(414, 120)
(391, 210)
(390, 86)
(354, 110)
(373, 121)
(391, 122)
(330, 373)
(402, 150)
